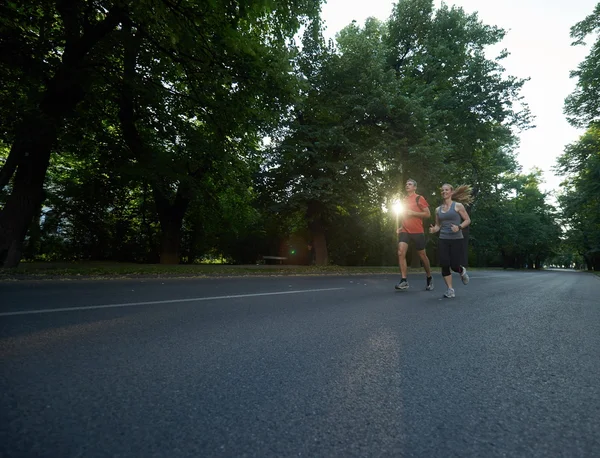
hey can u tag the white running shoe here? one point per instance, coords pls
(464, 276)
(449, 293)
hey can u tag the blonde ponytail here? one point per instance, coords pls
(463, 194)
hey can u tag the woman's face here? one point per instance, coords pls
(446, 191)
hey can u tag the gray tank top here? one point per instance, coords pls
(446, 220)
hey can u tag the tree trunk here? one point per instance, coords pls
(320, 247)
(504, 260)
(196, 236)
(27, 192)
(314, 215)
(596, 262)
(170, 242)
(170, 214)
(588, 262)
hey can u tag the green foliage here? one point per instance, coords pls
(413, 97)
(580, 201)
(439, 57)
(580, 163)
(173, 104)
(163, 154)
(582, 107)
(514, 226)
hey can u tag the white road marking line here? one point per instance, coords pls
(168, 301)
(487, 276)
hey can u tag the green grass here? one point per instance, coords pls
(111, 270)
(65, 270)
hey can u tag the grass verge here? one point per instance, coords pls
(112, 270)
(90, 270)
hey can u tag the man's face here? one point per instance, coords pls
(410, 186)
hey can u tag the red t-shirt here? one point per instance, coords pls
(413, 224)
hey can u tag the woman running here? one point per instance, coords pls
(450, 219)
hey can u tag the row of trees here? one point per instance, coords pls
(160, 131)
(137, 108)
(580, 163)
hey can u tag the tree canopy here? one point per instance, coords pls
(580, 163)
(161, 131)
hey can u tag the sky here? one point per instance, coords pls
(540, 48)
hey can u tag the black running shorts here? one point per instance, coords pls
(417, 239)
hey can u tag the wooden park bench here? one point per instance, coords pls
(274, 258)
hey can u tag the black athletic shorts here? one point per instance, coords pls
(451, 252)
(417, 239)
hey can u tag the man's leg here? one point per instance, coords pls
(402, 249)
(420, 242)
(427, 266)
(425, 261)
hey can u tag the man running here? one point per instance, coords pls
(416, 209)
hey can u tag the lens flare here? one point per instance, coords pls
(398, 207)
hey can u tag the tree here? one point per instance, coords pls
(580, 199)
(580, 163)
(440, 58)
(582, 107)
(229, 61)
(414, 97)
(517, 223)
(343, 130)
(55, 42)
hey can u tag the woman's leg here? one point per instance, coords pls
(456, 260)
(445, 247)
(447, 276)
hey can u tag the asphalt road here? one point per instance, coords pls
(323, 366)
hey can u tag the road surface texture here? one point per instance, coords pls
(315, 366)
